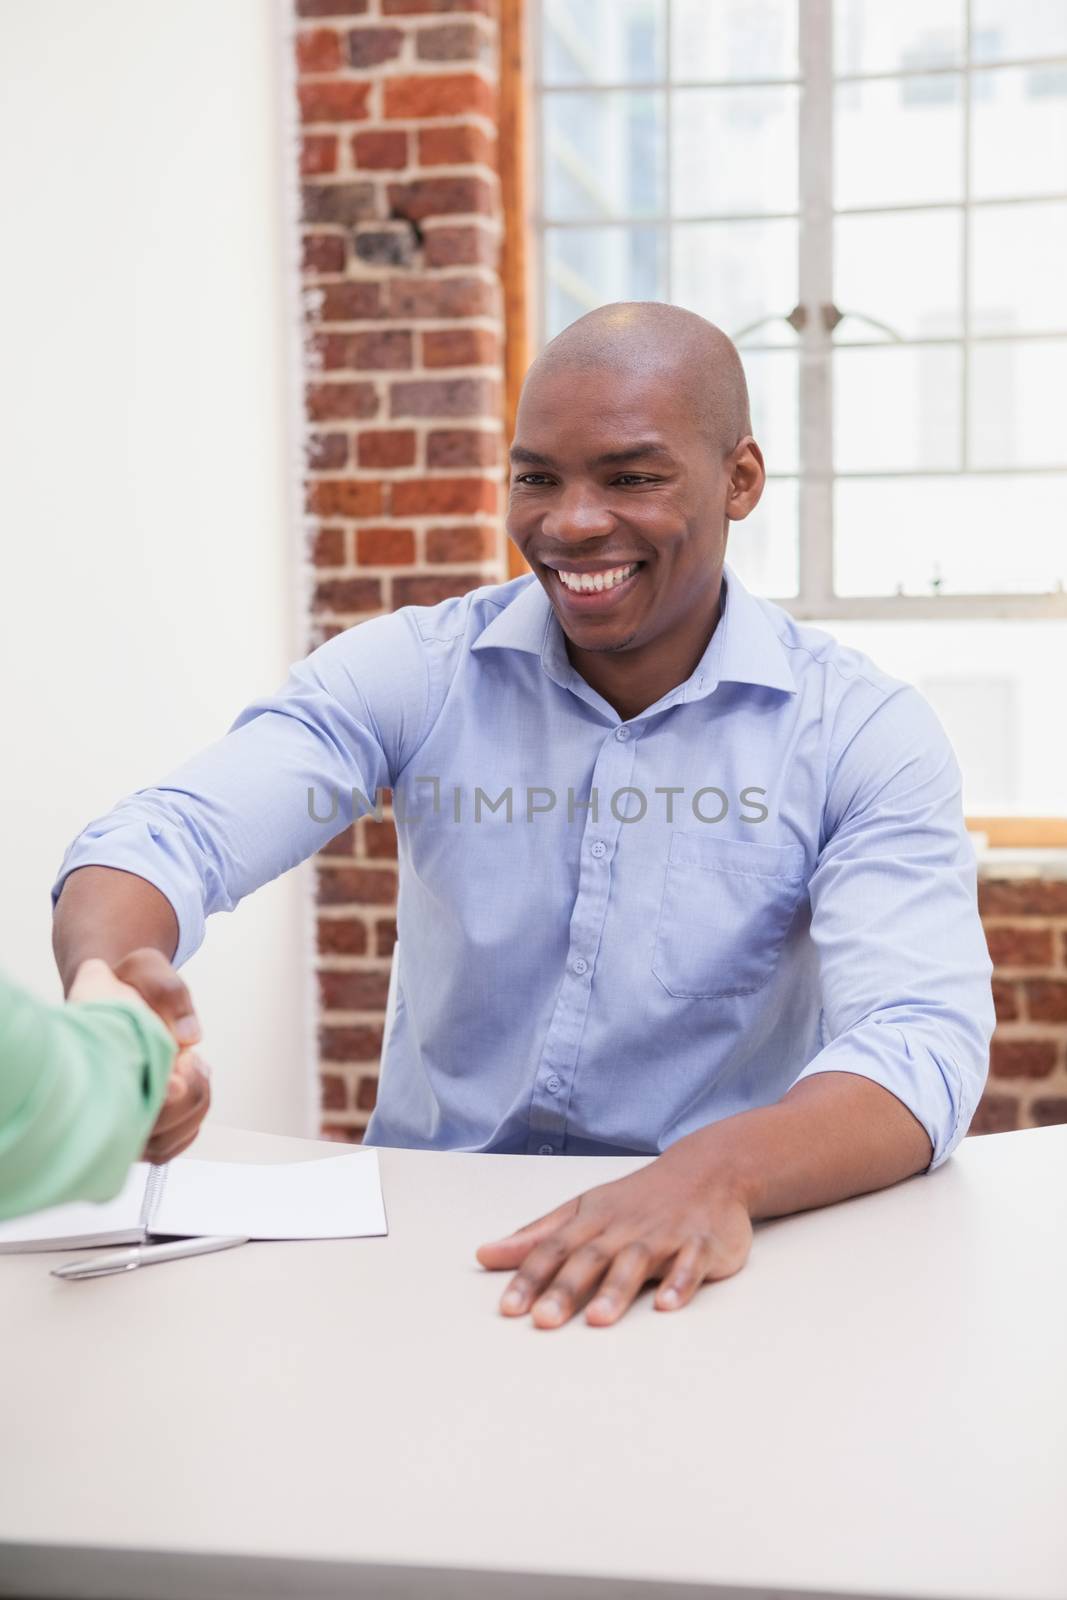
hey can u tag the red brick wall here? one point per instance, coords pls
(1026, 925)
(401, 237)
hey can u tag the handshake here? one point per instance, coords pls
(146, 979)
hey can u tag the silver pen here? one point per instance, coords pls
(144, 1255)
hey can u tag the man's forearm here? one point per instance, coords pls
(834, 1135)
(102, 911)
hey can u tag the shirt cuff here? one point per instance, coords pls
(921, 1080)
(143, 850)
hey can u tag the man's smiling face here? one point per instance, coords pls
(616, 477)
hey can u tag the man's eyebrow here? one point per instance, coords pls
(529, 458)
(646, 450)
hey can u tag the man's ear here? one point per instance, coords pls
(747, 477)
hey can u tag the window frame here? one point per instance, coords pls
(815, 476)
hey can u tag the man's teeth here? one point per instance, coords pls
(589, 582)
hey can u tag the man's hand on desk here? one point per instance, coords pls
(665, 1222)
(687, 1216)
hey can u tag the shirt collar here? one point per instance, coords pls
(745, 647)
(752, 649)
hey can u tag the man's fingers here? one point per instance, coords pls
(189, 1075)
(687, 1273)
(183, 1110)
(166, 1143)
(541, 1264)
(572, 1285)
(164, 1146)
(191, 1102)
(600, 1250)
(631, 1269)
(151, 974)
(579, 1249)
(513, 1250)
(159, 1152)
(704, 1258)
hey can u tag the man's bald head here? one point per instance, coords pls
(633, 456)
(648, 339)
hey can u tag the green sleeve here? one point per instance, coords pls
(80, 1088)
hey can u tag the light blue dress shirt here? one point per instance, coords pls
(763, 876)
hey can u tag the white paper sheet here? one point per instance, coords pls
(111, 1220)
(339, 1197)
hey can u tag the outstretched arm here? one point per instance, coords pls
(138, 884)
(108, 915)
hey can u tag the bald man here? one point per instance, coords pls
(679, 877)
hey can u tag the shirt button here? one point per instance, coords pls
(546, 1150)
(553, 1084)
(581, 966)
(599, 848)
(622, 733)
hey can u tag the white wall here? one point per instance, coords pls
(148, 526)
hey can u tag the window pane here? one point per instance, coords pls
(1019, 131)
(734, 151)
(898, 141)
(959, 535)
(980, 712)
(1019, 269)
(589, 267)
(1005, 30)
(734, 39)
(602, 41)
(902, 270)
(897, 409)
(1017, 416)
(1009, 763)
(603, 155)
(870, 36)
(772, 391)
(736, 274)
(763, 548)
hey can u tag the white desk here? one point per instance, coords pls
(875, 1406)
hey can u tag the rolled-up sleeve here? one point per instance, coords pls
(904, 967)
(283, 781)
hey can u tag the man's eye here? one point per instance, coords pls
(633, 477)
(535, 478)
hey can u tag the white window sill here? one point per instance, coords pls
(1021, 861)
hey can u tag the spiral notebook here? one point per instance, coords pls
(338, 1197)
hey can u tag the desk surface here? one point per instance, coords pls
(875, 1406)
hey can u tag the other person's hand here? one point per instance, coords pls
(147, 977)
(94, 980)
(665, 1222)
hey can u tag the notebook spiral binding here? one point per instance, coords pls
(153, 1193)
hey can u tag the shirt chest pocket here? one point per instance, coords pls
(727, 905)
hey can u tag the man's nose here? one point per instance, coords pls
(578, 513)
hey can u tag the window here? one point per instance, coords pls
(871, 200)
(899, 292)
